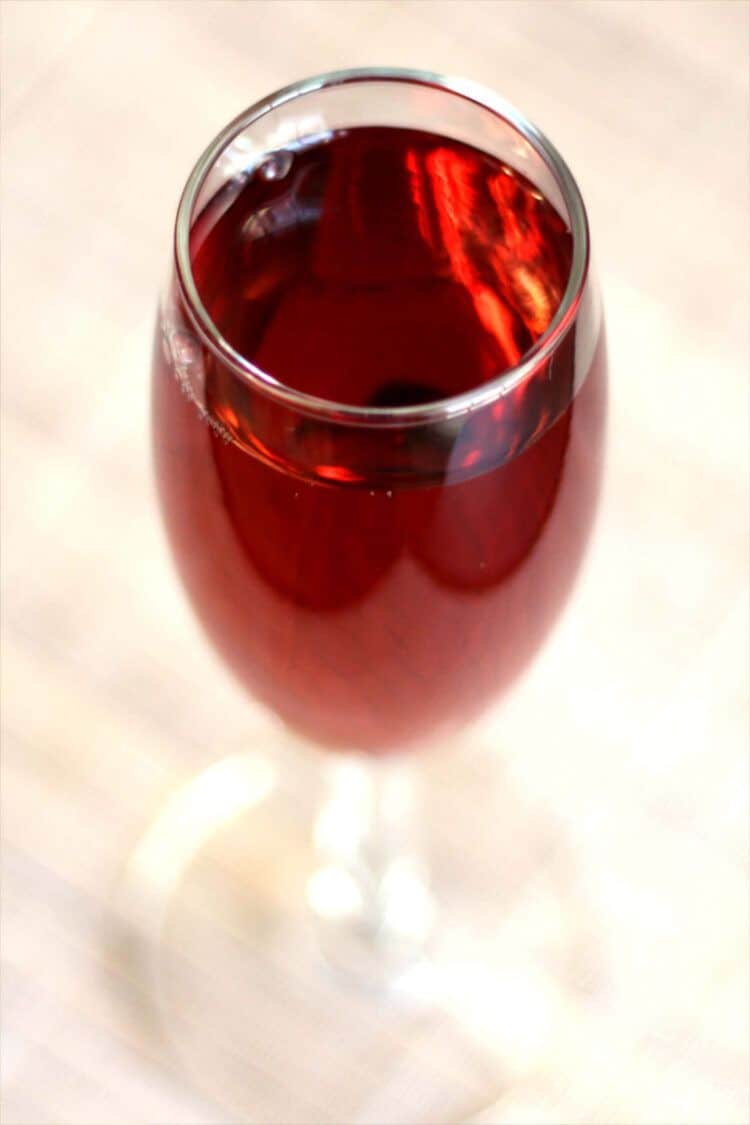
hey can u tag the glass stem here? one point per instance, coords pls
(369, 890)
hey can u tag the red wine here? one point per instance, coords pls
(372, 585)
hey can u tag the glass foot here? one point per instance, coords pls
(255, 966)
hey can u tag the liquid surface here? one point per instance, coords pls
(378, 267)
(383, 267)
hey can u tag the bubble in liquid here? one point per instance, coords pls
(260, 224)
(276, 166)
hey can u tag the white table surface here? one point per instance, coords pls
(631, 730)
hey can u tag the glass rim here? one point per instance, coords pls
(437, 409)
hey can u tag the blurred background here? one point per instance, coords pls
(629, 735)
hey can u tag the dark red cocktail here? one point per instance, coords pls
(374, 576)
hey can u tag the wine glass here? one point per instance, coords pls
(378, 416)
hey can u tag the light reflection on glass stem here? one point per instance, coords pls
(369, 888)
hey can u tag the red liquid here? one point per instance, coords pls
(381, 267)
